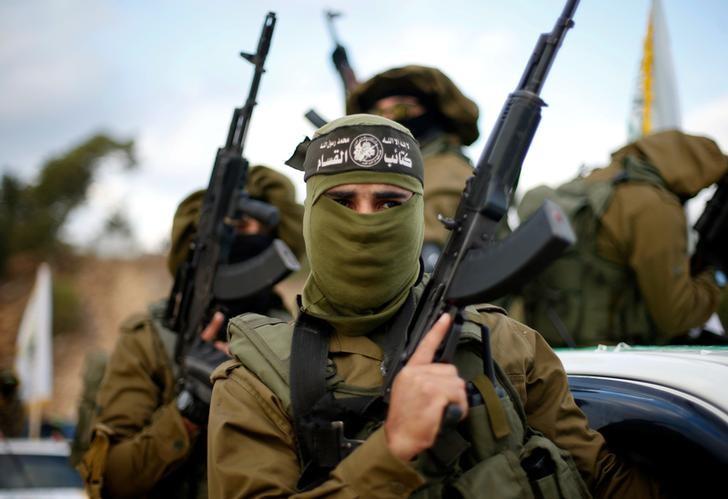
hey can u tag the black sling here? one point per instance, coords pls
(325, 425)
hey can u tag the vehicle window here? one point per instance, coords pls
(676, 440)
(23, 471)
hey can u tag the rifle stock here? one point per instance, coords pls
(473, 268)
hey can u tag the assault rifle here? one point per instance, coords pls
(712, 229)
(339, 56)
(341, 62)
(207, 276)
(474, 267)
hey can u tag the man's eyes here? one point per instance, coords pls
(390, 203)
(357, 204)
(343, 201)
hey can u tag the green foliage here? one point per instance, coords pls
(67, 308)
(31, 215)
(117, 223)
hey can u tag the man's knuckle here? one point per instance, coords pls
(451, 369)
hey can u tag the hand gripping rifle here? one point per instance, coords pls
(712, 229)
(474, 268)
(341, 62)
(339, 56)
(207, 276)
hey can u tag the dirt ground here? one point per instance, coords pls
(109, 290)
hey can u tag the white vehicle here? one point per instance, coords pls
(37, 469)
(665, 408)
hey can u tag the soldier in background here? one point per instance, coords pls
(442, 120)
(148, 440)
(629, 278)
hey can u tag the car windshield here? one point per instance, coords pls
(24, 471)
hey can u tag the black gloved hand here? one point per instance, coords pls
(339, 56)
(193, 400)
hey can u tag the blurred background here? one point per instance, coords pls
(111, 112)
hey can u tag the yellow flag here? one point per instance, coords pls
(655, 104)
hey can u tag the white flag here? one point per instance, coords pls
(34, 358)
(655, 105)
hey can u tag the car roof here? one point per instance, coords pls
(699, 371)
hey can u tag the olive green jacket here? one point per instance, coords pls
(139, 435)
(140, 446)
(446, 171)
(645, 228)
(252, 450)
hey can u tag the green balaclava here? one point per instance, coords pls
(362, 265)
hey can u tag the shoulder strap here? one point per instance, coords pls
(167, 337)
(319, 419)
(325, 424)
(634, 169)
(309, 354)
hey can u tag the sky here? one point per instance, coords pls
(167, 74)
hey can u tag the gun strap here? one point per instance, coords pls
(321, 421)
(309, 355)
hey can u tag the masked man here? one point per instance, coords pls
(148, 436)
(443, 120)
(299, 412)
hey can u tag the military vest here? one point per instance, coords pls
(583, 299)
(493, 450)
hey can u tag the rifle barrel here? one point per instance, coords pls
(548, 44)
(241, 119)
(486, 195)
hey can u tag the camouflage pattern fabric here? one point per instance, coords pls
(436, 91)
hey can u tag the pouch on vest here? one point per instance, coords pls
(506, 458)
(93, 463)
